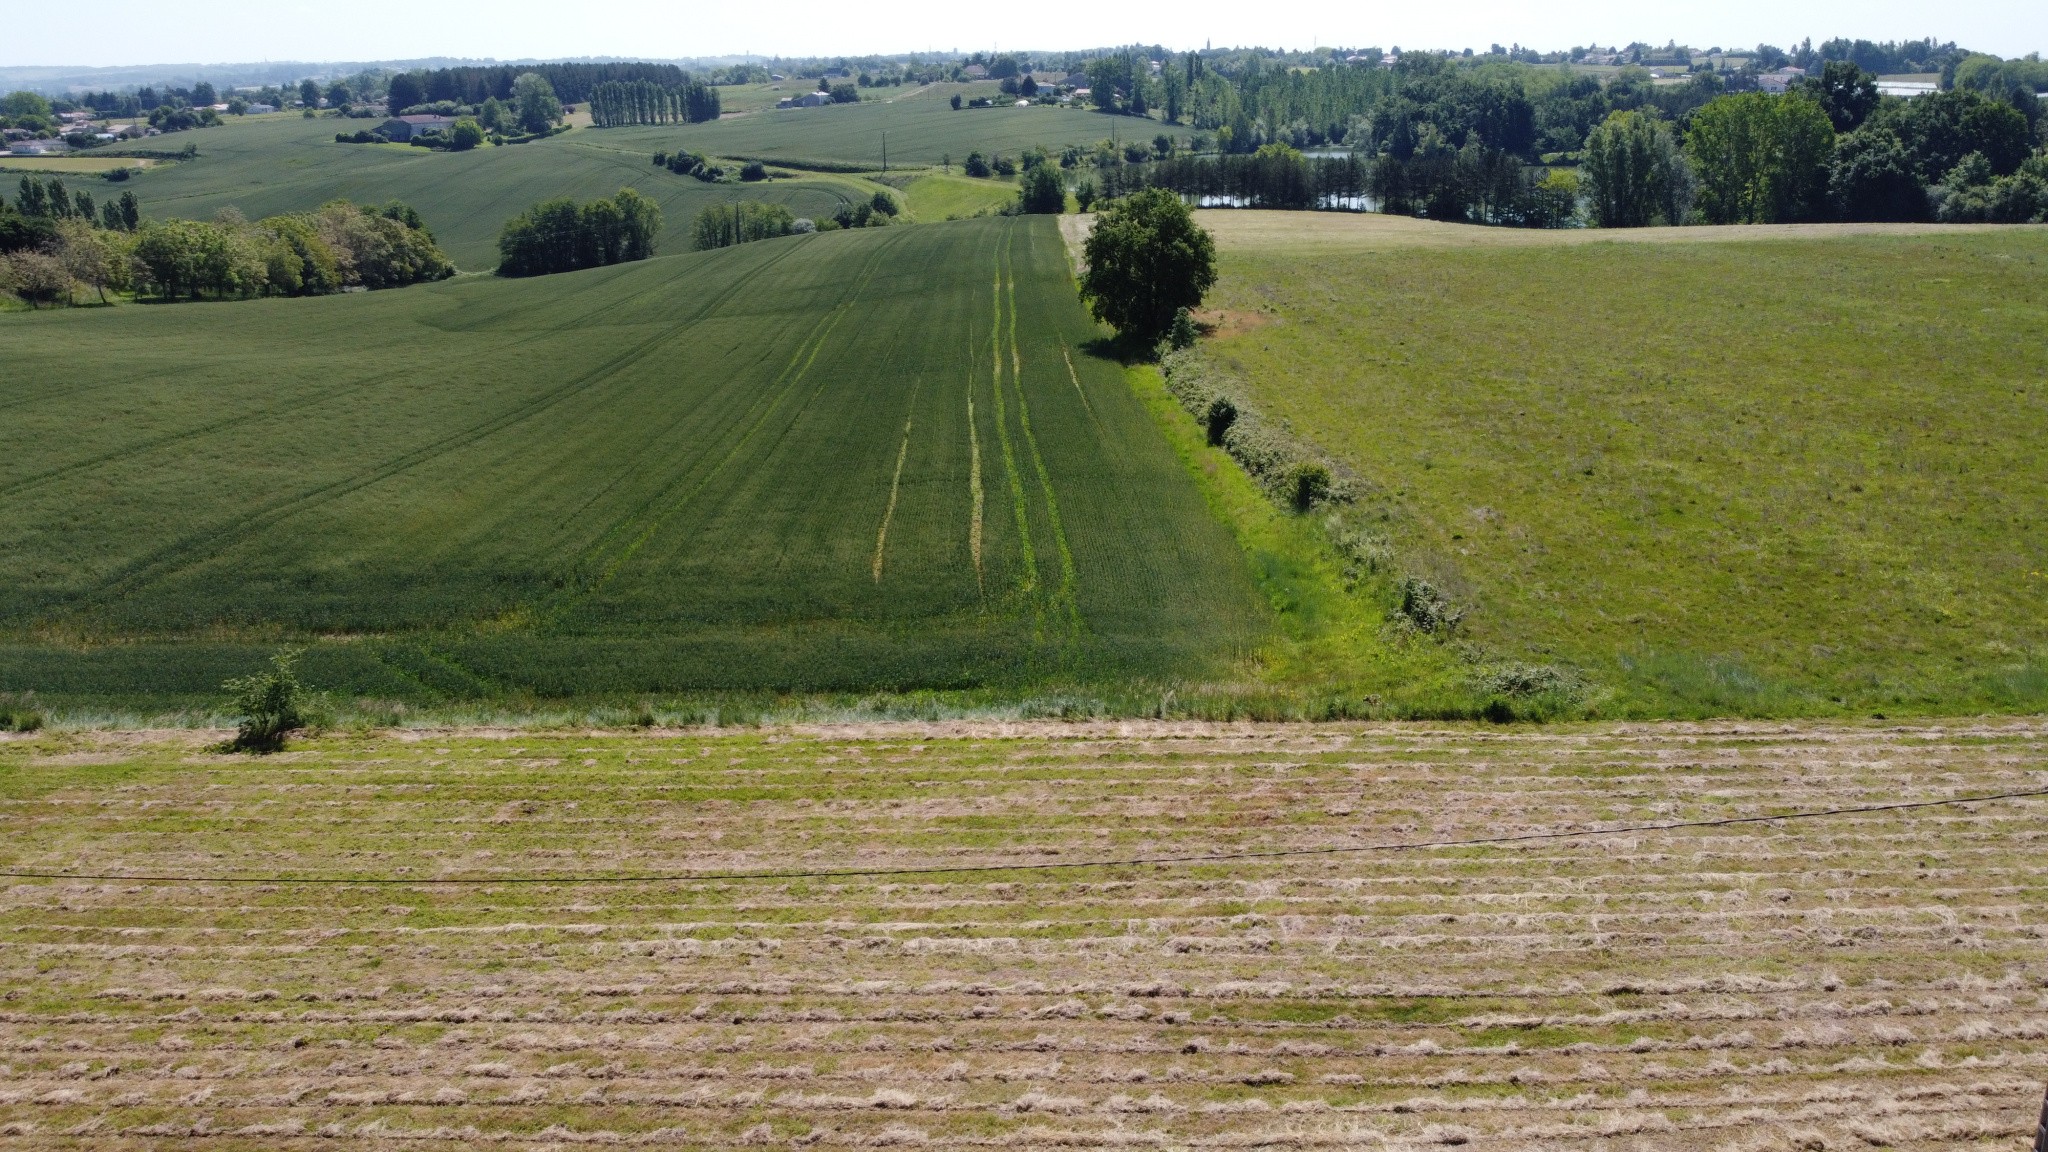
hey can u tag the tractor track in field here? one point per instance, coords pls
(642, 521)
(1063, 601)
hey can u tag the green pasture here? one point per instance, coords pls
(940, 196)
(882, 459)
(923, 130)
(1790, 475)
(290, 164)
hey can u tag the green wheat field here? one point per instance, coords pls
(851, 461)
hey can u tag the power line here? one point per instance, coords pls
(1042, 866)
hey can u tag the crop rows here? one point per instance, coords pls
(662, 477)
(1854, 981)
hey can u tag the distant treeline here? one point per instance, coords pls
(475, 84)
(1473, 183)
(620, 102)
(1830, 149)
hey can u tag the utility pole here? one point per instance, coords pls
(885, 152)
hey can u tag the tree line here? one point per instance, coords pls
(473, 84)
(335, 247)
(560, 235)
(621, 102)
(1831, 148)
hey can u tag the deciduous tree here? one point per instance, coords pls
(1146, 258)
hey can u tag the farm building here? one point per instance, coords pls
(974, 72)
(807, 100)
(1780, 80)
(402, 128)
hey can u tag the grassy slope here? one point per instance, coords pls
(290, 164)
(1854, 982)
(923, 129)
(652, 477)
(939, 196)
(1723, 476)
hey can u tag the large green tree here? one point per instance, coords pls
(1635, 175)
(1147, 258)
(1041, 192)
(1761, 159)
(535, 99)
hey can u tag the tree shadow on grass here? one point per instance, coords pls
(1120, 350)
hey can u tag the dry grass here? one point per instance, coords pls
(1329, 232)
(1848, 983)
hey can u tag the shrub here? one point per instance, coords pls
(754, 170)
(465, 135)
(1181, 336)
(1428, 609)
(19, 715)
(884, 203)
(1218, 418)
(1308, 484)
(975, 165)
(270, 704)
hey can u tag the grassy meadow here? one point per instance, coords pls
(1863, 981)
(946, 196)
(1785, 471)
(922, 125)
(852, 461)
(291, 164)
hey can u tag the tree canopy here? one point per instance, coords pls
(560, 236)
(1147, 258)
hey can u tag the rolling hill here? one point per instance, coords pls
(286, 164)
(877, 459)
(1715, 470)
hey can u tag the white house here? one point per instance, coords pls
(403, 128)
(1781, 80)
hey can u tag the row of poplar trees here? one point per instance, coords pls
(622, 102)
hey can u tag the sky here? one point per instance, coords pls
(134, 32)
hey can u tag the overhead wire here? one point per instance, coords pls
(742, 876)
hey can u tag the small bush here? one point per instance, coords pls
(19, 715)
(1182, 334)
(271, 705)
(1218, 418)
(1428, 609)
(754, 170)
(1308, 484)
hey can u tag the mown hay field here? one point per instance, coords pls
(1875, 980)
(275, 165)
(1715, 470)
(881, 459)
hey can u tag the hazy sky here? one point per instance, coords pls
(134, 32)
